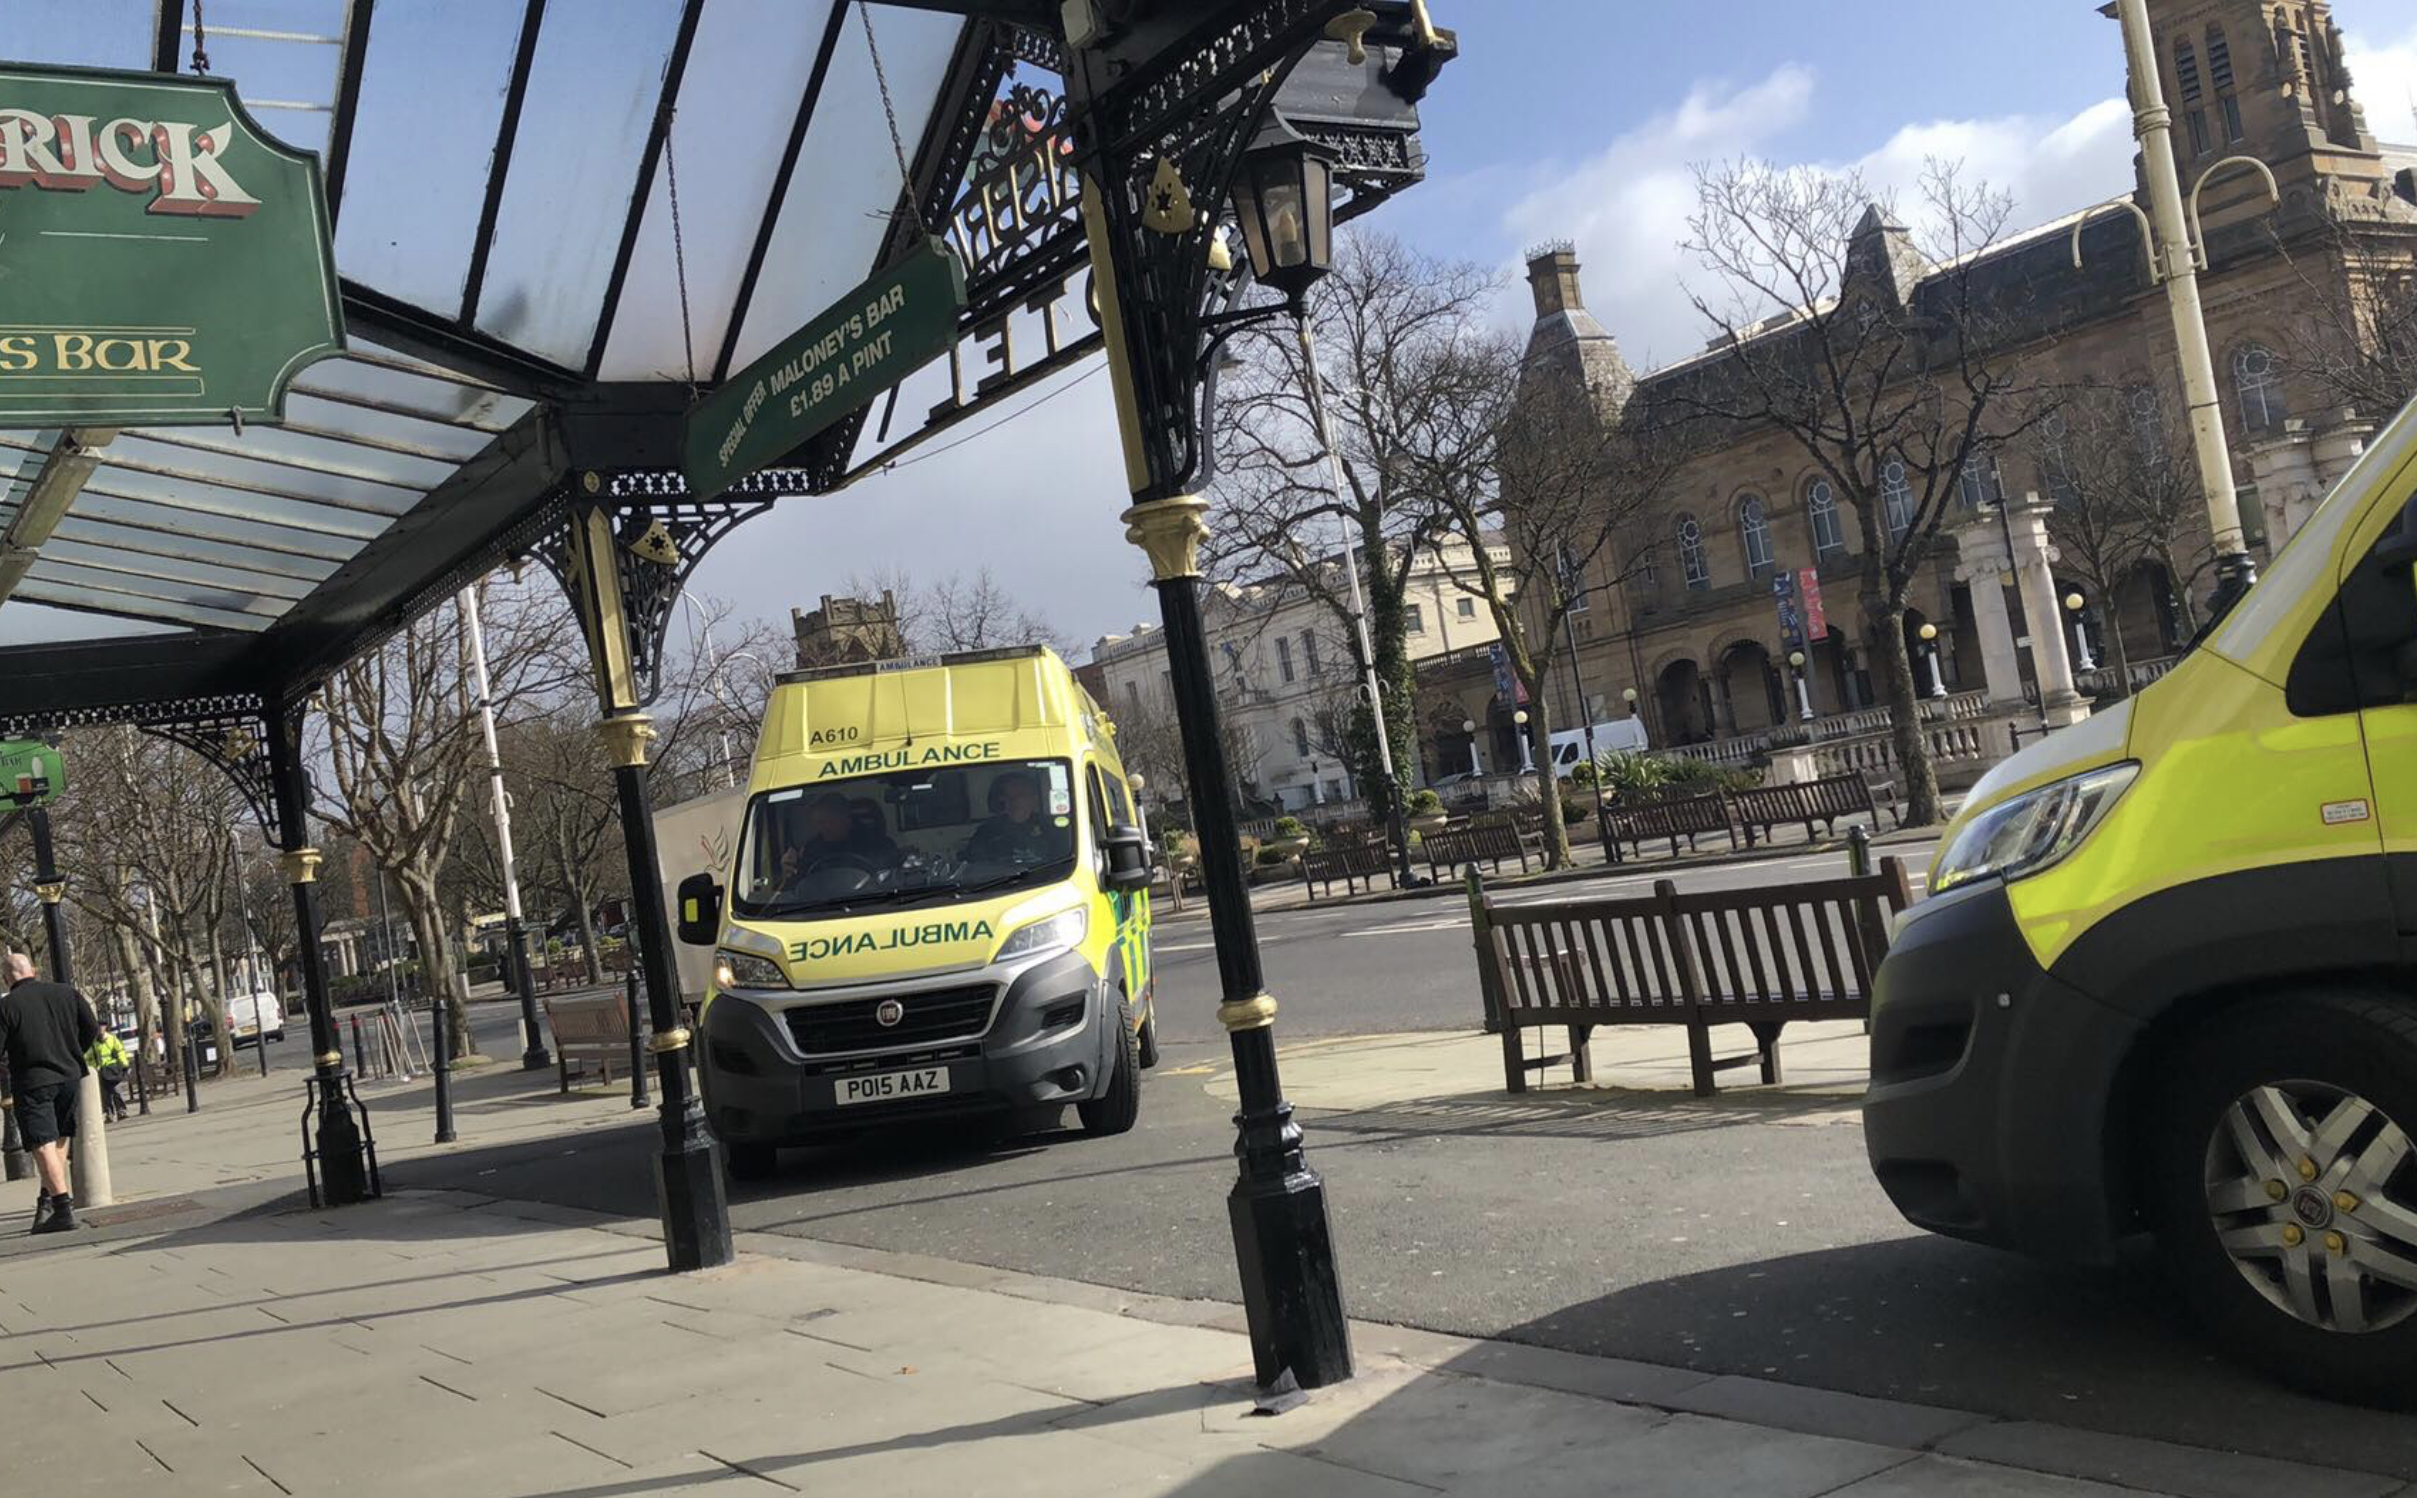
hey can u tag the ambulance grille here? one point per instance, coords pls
(931, 1016)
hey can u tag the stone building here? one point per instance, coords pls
(1698, 633)
(847, 631)
(1286, 678)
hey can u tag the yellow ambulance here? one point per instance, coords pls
(2166, 981)
(939, 905)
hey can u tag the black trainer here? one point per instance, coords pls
(62, 1218)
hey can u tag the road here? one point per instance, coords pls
(1744, 1237)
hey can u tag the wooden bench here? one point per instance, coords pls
(1689, 817)
(590, 1028)
(1350, 862)
(1758, 957)
(1479, 842)
(1825, 800)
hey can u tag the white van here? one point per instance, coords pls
(1626, 735)
(250, 1014)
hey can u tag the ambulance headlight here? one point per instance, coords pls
(746, 970)
(2032, 831)
(1065, 929)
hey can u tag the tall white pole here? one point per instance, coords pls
(1314, 382)
(2153, 125)
(534, 1056)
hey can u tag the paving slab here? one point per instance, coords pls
(2160, 1466)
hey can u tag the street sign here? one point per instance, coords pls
(1816, 620)
(163, 261)
(839, 363)
(31, 774)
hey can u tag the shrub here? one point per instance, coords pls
(1583, 776)
(1425, 803)
(1290, 827)
(1269, 857)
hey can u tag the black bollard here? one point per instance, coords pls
(637, 1052)
(12, 1148)
(360, 1052)
(142, 1076)
(441, 1063)
(192, 1057)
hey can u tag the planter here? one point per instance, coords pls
(1290, 847)
(1435, 821)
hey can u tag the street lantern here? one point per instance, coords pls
(1804, 696)
(1930, 644)
(1284, 196)
(1469, 727)
(2074, 604)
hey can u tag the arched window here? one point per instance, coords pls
(1754, 535)
(1977, 481)
(1896, 497)
(2219, 73)
(2260, 389)
(1691, 553)
(2146, 417)
(1300, 738)
(2055, 462)
(1821, 503)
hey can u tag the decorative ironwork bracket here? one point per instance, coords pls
(237, 742)
(663, 532)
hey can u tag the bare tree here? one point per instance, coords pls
(956, 612)
(1886, 354)
(1385, 321)
(2355, 340)
(1544, 504)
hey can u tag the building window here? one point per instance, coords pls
(2197, 119)
(1284, 657)
(2055, 465)
(2259, 388)
(1977, 480)
(2147, 423)
(1691, 553)
(2219, 73)
(1754, 535)
(1896, 497)
(1309, 653)
(2186, 70)
(1414, 619)
(1821, 503)
(1300, 738)
(1467, 608)
(1133, 693)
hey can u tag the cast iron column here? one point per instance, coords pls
(688, 1173)
(52, 889)
(14, 1165)
(343, 1169)
(688, 1176)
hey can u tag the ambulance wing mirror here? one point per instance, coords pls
(1128, 850)
(700, 910)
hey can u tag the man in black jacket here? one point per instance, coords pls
(44, 1031)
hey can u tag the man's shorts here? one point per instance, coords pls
(46, 1115)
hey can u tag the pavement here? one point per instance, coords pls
(474, 1343)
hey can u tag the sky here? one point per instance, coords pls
(1574, 119)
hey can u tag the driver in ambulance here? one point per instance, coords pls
(837, 840)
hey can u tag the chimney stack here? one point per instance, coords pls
(1552, 272)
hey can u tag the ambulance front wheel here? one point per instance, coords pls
(2283, 1189)
(1149, 1039)
(1115, 1110)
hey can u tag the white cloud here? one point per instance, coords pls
(1627, 206)
(2384, 75)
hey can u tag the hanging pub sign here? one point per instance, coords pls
(1816, 620)
(31, 773)
(163, 261)
(836, 365)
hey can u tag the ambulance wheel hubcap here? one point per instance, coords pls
(2314, 1199)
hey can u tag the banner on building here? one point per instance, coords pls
(1816, 619)
(1507, 685)
(1791, 622)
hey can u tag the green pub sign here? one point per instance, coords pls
(31, 774)
(868, 341)
(163, 261)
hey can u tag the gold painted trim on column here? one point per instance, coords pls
(669, 1040)
(51, 893)
(1170, 532)
(596, 573)
(626, 736)
(1112, 329)
(1258, 1013)
(328, 1058)
(300, 865)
